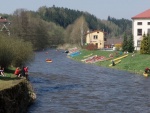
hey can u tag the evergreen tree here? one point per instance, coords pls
(144, 45)
(148, 43)
(125, 43)
(130, 44)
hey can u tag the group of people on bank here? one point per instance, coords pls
(21, 72)
(18, 72)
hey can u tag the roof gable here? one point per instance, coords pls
(143, 15)
(98, 31)
(2, 20)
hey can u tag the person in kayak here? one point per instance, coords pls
(147, 70)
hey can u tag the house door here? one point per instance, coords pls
(97, 45)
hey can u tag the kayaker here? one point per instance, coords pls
(147, 70)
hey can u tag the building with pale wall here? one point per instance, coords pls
(140, 26)
(96, 37)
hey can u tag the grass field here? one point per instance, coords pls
(9, 80)
(135, 63)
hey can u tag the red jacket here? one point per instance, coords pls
(17, 72)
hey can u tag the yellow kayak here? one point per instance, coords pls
(145, 74)
(121, 57)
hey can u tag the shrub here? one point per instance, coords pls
(14, 51)
(118, 46)
(91, 47)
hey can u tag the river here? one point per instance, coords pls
(67, 86)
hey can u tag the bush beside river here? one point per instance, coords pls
(134, 62)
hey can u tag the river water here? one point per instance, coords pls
(67, 86)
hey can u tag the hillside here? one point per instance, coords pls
(58, 26)
(64, 17)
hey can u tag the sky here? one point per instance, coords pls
(100, 8)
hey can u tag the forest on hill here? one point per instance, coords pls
(52, 26)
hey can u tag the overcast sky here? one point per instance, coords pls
(100, 8)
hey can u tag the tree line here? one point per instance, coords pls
(52, 26)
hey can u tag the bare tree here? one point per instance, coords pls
(78, 28)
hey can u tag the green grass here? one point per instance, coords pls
(134, 64)
(7, 82)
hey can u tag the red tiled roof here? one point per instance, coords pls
(143, 15)
(3, 20)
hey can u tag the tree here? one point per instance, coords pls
(144, 45)
(14, 51)
(148, 35)
(78, 29)
(130, 44)
(41, 35)
(20, 24)
(31, 28)
(125, 43)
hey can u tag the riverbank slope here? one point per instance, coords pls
(134, 62)
(17, 96)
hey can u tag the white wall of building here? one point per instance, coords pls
(144, 28)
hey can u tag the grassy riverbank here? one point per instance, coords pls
(9, 80)
(135, 63)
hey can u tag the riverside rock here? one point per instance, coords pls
(17, 98)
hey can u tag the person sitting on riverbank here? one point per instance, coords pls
(17, 72)
(2, 71)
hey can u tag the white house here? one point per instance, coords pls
(140, 26)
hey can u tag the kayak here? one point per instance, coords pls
(121, 57)
(145, 74)
(48, 60)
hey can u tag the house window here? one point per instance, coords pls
(138, 43)
(139, 32)
(139, 23)
(95, 37)
(148, 23)
(148, 31)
